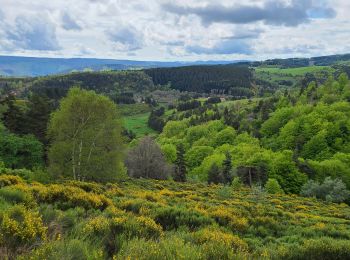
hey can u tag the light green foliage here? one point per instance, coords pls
(246, 138)
(294, 71)
(201, 172)
(195, 133)
(284, 170)
(85, 136)
(138, 124)
(225, 136)
(337, 167)
(174, 128)
(315, 131)
(236, 183)
(215, 126)
(272, 186)
(196, 154)
(169, 151)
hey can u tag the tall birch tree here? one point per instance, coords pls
(85, 138)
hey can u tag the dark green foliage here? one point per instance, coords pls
(14, 115)
(111, 83)
(224, 78)
(20, 152)
(180, 164)
(226, 169)
(37, 116)
(214, 175)
(213, 100)
(125, 98)
(187, 105)
(155, 121)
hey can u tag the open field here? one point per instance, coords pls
(294, 71)
(138, 124)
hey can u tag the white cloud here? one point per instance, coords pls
(69, 22)
(33, 33)
(204, 29)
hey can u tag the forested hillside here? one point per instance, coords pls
(225, 79)
(117, 165)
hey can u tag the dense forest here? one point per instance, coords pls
(179, 163)
(225, 79)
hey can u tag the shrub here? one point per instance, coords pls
(225, 192)
(66, 249)
(174, 217)
(70, 197)
(272, 186)
(139, 226)
(15, 196)
(97, 226)
(236, 183)
(172, 247)
(7, 180)
(330, 190)
(217, 242)
(225, 217)
(21, 228)
(319, 249)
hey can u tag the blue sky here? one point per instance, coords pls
(175, 30)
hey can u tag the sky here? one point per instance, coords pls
(175, 30)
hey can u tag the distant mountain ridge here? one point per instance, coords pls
(32, 66)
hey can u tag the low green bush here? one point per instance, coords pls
(317, 249)
(174, 217)
(15, 196)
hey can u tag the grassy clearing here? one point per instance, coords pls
(294, 71)
(138, 124)
(134, 109)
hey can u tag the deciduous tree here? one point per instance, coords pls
(85, 136)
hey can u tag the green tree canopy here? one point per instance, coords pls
(85, 137)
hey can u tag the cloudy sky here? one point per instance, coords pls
(174, 30)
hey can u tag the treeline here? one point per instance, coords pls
(301, 62)
(112, 84)
(224, 78)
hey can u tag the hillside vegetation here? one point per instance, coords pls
(111, 165)
(141, 219)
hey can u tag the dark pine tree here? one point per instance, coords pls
(13, 117)
(227, 167)
(37, 116)
(180, 164)
(214, 175)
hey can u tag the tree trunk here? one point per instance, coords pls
(250, 176)
(80, 152)
(73, 162)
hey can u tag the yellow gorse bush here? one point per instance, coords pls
(72, 196)
(216, 236)
(20, 227)
(98, 224)
(7, 180)
(118, 219)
